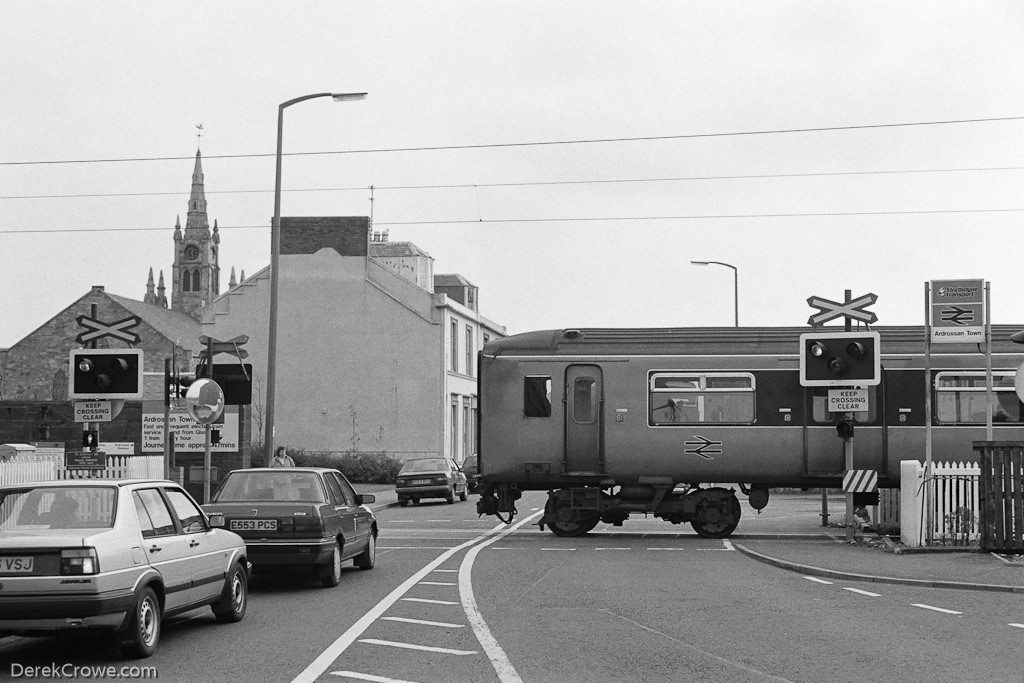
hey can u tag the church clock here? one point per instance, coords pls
(191, 252)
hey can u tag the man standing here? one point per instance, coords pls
(281, 458)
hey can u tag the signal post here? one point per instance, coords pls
(846, 362)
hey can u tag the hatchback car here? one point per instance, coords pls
(471, 468)
(299, 517)
(116, 555)
(430, 478)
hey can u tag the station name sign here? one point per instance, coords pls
(957, 311)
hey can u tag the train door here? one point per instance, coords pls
(825, 453)
(584, 398)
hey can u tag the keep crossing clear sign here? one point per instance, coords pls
(957, 311)
(848, 400)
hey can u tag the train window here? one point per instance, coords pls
(694, 398)
(821, 413)
(537, 396)
(584, 404)
(960, 397)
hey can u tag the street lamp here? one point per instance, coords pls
(275, 256)
(735, 284)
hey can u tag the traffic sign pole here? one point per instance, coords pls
(207, 466)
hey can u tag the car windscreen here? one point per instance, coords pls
(57, 507)
(423, 465)
(271, 485)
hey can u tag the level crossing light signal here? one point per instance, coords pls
(838, 359)
(106, 374)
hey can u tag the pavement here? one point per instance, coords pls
(789, 534)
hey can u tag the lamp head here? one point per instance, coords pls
(347, 96)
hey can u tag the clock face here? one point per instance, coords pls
(191, 252)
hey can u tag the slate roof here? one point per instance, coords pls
(175, 325)
(395, 249)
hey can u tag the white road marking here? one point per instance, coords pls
(424, 622)
(728, 544)
(817, 580)
(669, 548)
(936, 609)
(411, 646)
(446, 571)
(566, 550)
(439, 520)
(432, 602)
(611, 548)
(324, 660)
(499, 660)
(862, 592)
(1016, 625)
(369, 677)
(438, 583)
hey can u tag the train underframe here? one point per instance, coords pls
(573, 511)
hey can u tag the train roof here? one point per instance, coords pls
(722, 340)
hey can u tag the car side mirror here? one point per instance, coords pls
(217, 521)
(365, 498)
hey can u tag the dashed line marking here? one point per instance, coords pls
(862, 592)
(815, 579)
(424, 622)
(936, 609)
(1016, 625)
(438, 583)
(432, 602)
(447, 571)
(412, 646)
(564, 550)
(728, 544)
(369, 677)
(505, 548)
(612, 548)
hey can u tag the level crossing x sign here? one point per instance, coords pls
(97, 329)
(830, 310)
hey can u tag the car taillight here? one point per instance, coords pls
(442, 480)
(305, 525)
(79, 561)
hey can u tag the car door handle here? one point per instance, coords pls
(155, 549)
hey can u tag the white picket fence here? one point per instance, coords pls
(955, 505)
(20, 469)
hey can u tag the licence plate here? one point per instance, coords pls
(16, 565)
(419, 482)
(253, 525)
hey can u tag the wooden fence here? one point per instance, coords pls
(1002, 495)
(20, 469)
(955, 503)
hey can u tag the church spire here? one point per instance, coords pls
(196, 218)
(232, 283)
(161, 297)
(150, 297)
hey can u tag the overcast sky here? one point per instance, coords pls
(761, 134)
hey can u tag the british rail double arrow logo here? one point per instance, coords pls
(704, 448)
(957, 315)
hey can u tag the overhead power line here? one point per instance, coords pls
(529, 183)
(565, 219)
(496, 145)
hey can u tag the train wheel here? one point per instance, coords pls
(574, 527)
(718, 514)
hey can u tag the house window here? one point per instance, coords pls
(455, 428)
(455, 346)
(960, 397)
(694, 398)
(469, 350)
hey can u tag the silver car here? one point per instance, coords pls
(116, 555)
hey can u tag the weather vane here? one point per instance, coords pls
(199, 134)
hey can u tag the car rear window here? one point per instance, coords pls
(269, 485)
(57, 507)
(423, 465)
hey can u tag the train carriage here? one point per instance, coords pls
(655, 421)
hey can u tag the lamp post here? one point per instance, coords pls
(275, 256)
(735, 285)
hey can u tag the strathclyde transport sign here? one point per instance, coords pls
(957, 311)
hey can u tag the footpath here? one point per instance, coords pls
(789, 534)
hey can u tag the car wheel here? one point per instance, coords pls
(330, 575)
(143, 633)
(231, 606)
(366, 559)
(464, 495)
(404, 502)
(451, 495)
